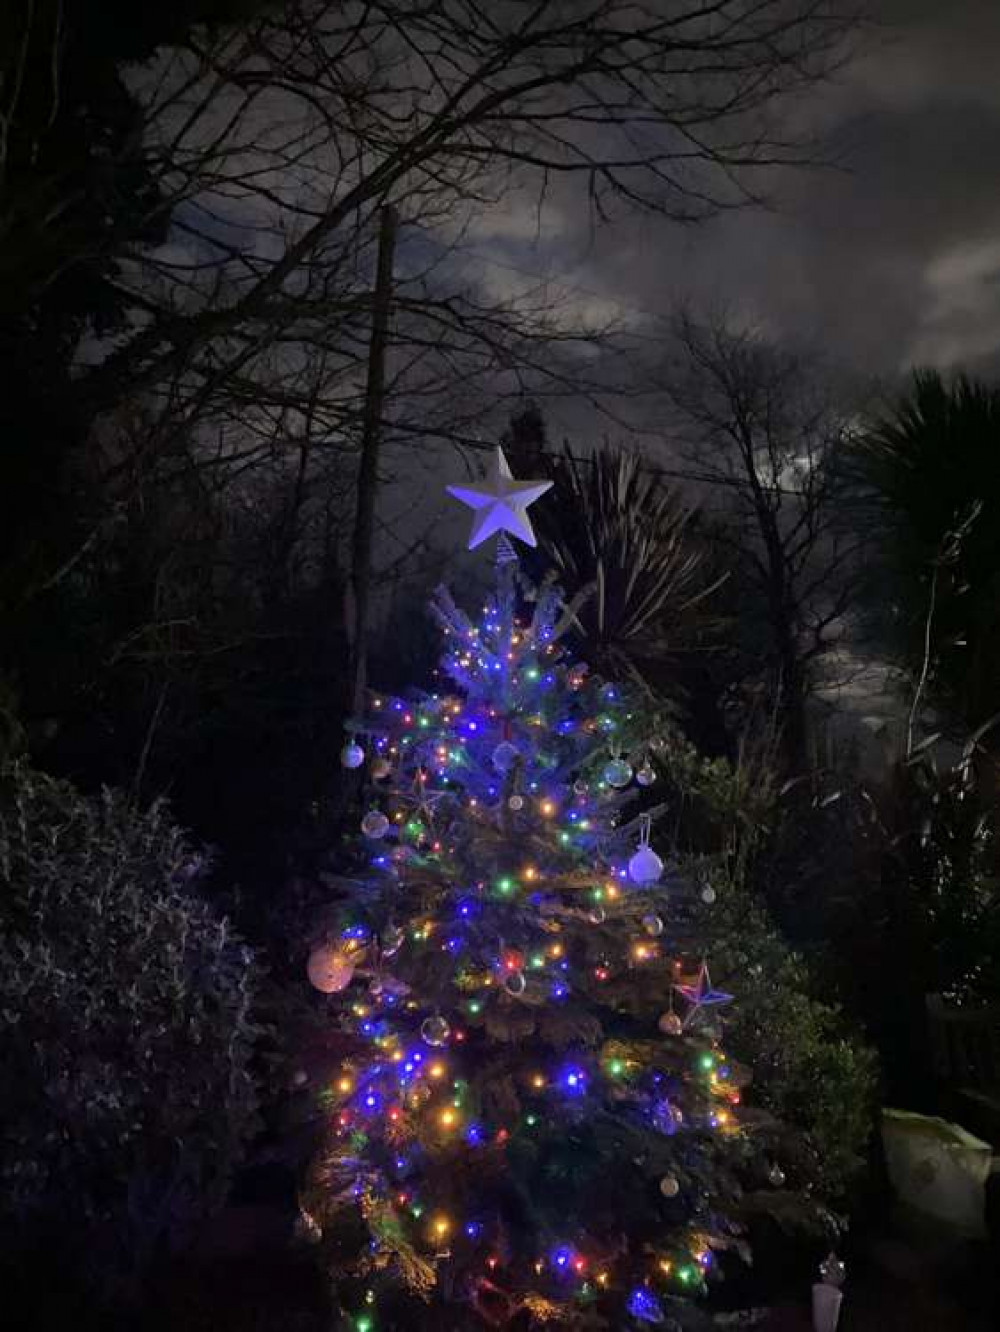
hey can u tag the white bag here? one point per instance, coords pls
(938, 1168)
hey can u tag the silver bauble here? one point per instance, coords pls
(352, 755)
(515, 802)
(653, 925)
(670, 1024)
(374, 824)
(435, 1030)
(505, 756)
(514, 982)
(646, 775)
(617, 773)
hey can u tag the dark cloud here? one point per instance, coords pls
(891, 257)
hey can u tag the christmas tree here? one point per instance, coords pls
(534, 1121)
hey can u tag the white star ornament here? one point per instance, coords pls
(501, 503)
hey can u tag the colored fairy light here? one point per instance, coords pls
(574, 1080)
(448, 1117)
(644, 1305)
(562, 1258)
(473, 1229)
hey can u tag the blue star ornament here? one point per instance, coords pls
(500, 503)
(701, 995)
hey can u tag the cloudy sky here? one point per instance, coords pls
(891, 258)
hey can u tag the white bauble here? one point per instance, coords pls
(645, 866)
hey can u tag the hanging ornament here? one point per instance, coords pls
(598, 915)
(514, 982)
(576, 676)
(653, 925)
(515, 802)
(435, 1030)
(381, 767)
(670, 1024)
(646, 775)
(374, 824)
(670, 1185)
(352, 755)
(505, 756)
(376, 986)
(300, 1077)
(617, 773)
(645, 866)
(776, 1176)
(580, 787)
(393, 940)
(329, 969)
(700, 995)
(708, 895)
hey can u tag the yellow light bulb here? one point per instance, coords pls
(436, 1070)
(440, 1226)
(448, 1118)
(538, 1081)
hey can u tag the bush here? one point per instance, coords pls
(126, 1029)
(809, 1070)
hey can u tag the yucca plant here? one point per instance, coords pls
(614, 529)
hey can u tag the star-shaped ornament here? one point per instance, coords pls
(501, 503)
(701, 995)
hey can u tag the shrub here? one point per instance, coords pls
(126, 1028)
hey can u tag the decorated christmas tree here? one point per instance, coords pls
(534, 1121)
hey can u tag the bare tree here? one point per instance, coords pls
(759, 425)
(274, 146)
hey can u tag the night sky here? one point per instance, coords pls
(890, 257)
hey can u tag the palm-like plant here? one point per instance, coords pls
(614, 530)
(933, 462)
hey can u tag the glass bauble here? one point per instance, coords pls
(381, 767)
(708, 896)
(670, 1024)
(580, 787)
(670, 1186)
(329, 969)
(598, 915)
(515, 802)
(646, 775)
(374, 824)
(435, 1030)
(776, 1176)
(352, 755)
(514, 982)
(645, 866)
(617, 773)
(653, 925)
(505, 756)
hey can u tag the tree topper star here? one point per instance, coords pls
(501, 503)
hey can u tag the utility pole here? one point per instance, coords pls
(359, 608)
